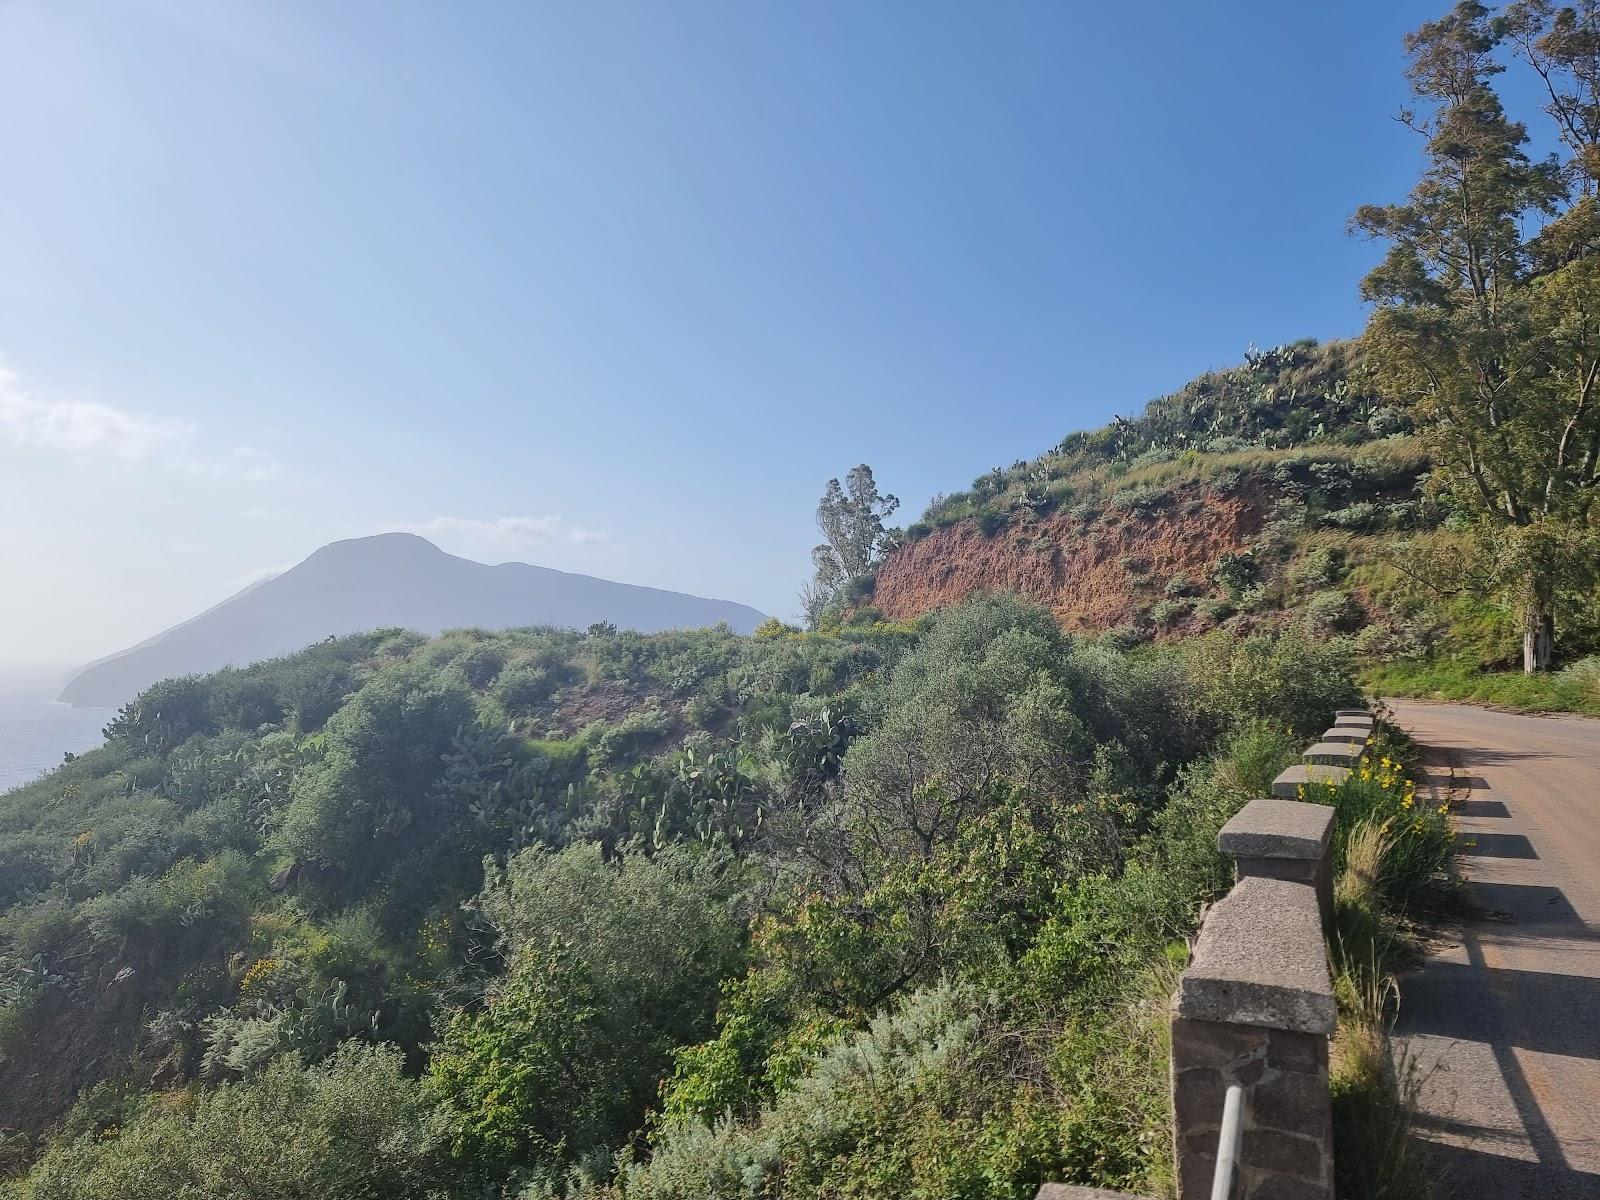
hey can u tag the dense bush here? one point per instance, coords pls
(613, 966)
(369, 800)
(1289, 679)
(352, 1128)
(890, 1110)
(526, 1081)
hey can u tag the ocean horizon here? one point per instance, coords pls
(36, 730)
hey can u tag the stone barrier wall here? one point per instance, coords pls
(1255, 1007)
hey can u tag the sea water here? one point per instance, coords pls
(35, 730)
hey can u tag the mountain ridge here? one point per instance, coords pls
(387, 580)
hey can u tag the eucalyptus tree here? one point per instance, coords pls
(1488, 309)
(851, 519)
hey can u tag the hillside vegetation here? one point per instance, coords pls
(470, 914)
(1432, 487)
(1281, 492)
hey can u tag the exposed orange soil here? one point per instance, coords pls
(1086, 572)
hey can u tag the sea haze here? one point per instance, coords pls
(35, 730)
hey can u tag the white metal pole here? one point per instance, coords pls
(1228, 1143)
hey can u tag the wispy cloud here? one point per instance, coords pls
(503, 535)
(259, 575)
(81, 427)
(92, 431)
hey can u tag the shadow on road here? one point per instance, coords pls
(1481, 808)
(1496, 845)
(1477, 756)
(1528, 904)
(1477, 1003)
(1479, 1173)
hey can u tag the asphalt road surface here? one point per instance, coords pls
(1503, 1019)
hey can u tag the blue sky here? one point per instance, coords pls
(617, 287)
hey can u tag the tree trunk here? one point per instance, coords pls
(1538, 641)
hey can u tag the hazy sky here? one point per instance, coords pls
(616, 287)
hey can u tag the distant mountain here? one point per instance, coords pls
(392, 579)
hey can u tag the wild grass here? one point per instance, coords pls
(1575, 690)
(1375, 1087)
(1391, 455)
(1394, 856)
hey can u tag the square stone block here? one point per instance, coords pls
(1334, 754)
(1310, 776)
(1277, 828)
(1353, 734)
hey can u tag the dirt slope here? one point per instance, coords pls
(1093, 574)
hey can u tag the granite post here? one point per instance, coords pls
(1256, 1008)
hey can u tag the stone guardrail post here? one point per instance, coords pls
(1283, 839)
(1255, 1007)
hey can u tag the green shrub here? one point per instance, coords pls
(1362, 515)
(1582, 681)
(526, 688)
(1287, 678)
(1257, 598)
(615, 965)
(351, 1128)
(1124, 637)
(1322, 567)
(616, 745)
(917, 1105)
(1139, 498)
(367, 801)
(705, 711)
(1169, 612)
(1234, 573)
(1334, 611)
(524, 1082)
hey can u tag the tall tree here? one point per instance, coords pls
(851, 519)
(1486, 304)
(1562, 46)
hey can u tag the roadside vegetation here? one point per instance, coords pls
(692, 914)
(1575, 688)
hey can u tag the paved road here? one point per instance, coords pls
(1503, 1019)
